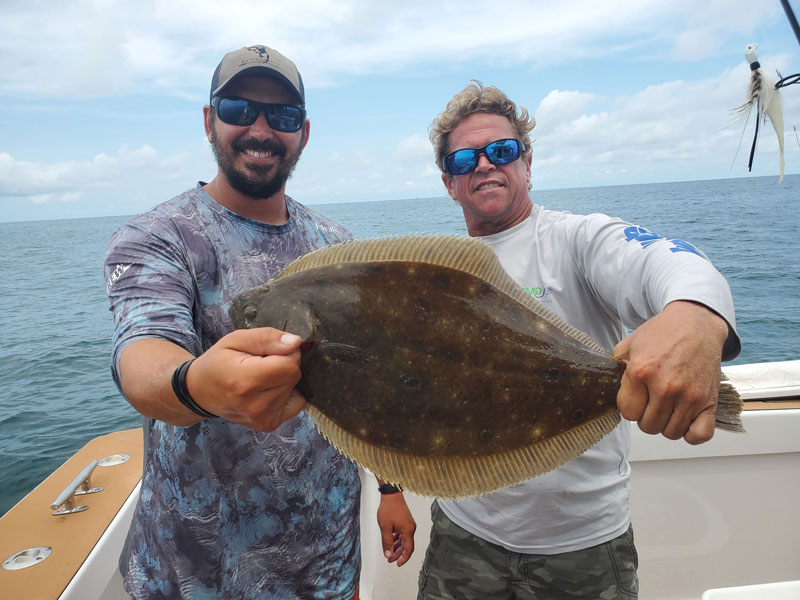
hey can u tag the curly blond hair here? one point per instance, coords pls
(476, 98)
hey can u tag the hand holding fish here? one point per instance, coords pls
(672, 379)
(248, 377)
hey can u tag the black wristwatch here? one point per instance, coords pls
(388, 488)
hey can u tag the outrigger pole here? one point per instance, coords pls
(792, 19)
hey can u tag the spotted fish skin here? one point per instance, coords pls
(424, 362)
(427, 360)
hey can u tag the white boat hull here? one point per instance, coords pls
(716, 515)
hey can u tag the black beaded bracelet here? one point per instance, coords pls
(182, 392)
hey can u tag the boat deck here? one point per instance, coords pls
(721, 515)
(71, 537)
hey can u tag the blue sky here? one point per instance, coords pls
(102, 100)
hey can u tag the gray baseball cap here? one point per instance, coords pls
(257, 60)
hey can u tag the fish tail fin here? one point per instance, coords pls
(729, 408)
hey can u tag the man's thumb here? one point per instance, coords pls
(263, 341)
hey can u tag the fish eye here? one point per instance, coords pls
(250, 312)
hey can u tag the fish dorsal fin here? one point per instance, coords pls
(463, 253)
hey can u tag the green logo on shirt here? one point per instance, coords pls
(538, 292)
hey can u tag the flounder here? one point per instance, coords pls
(424, 362)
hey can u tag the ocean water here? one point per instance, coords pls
(56, 391)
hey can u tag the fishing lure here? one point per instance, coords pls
(762, 94)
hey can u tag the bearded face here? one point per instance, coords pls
(247, 177)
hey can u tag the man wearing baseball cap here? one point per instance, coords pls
(241, 497)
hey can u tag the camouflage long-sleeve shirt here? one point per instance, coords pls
(225, 511)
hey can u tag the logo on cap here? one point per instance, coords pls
(262, 54)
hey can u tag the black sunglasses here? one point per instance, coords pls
(499, 152)
(243, 112)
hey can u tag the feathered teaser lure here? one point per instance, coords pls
(765, 97)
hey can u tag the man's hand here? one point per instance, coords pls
(248, 377)
(671, 382)
(397, 527)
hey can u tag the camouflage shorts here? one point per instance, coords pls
(461, 566)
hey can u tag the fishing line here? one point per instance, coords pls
(791, 79)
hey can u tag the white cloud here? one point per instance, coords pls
(128, 181)
(559, 107)
(41, 198)
(123, 54)
(86, 48)
(673, 122)
(31, 178)
(71, 197)
(415, 149)
(695, 44)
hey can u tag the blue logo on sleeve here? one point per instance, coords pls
(647, 238)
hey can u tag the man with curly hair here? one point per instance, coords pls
(568, 534)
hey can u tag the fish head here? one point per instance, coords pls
(265, 306)
(271, 305)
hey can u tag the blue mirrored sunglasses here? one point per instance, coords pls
(499, 152)
(243, 112)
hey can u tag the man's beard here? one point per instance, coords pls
(256, 184)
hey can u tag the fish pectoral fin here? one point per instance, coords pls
(339, 352)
